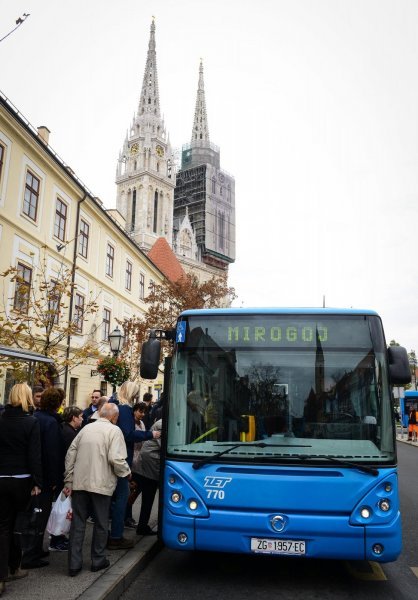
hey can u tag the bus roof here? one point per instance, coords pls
(277, 311)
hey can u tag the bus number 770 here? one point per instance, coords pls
(216, 494)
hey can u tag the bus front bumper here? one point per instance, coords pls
(323, 537)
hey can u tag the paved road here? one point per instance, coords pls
(180, 576)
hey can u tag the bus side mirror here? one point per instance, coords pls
(399, 370)
(150, 357)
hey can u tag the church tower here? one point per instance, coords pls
(145, 175)
(204, 201)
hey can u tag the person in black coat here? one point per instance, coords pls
(53, 466)
(20, 474)
(147, 398)
(156, 411)
(92, 408)
(72, 421)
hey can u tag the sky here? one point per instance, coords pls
(314, 104)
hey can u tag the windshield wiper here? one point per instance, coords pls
(339, 461)
(204, 461)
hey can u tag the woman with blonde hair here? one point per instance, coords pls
(20, 474)
(128, 392)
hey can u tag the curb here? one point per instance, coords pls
(409, 442)
(114, 581)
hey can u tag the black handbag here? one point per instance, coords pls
(28, 523)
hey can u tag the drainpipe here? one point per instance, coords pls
(73, 268)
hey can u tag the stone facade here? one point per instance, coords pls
(145, 176)
(194, 209)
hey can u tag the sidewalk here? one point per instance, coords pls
(53, 582)
(402, 436)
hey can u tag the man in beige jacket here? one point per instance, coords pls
(95, 459)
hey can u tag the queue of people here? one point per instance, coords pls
(43, 453)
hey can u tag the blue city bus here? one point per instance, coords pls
(279, 434)
(408, 403)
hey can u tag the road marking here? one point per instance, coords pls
(414, 570)
(366, 570)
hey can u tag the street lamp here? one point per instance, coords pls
(116, 339)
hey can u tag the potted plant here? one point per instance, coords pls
(113, 369)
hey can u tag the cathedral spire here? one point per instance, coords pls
(200, 126)
(146, 170)
(150, 100)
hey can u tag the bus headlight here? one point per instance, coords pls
(182, 499)
(193, 505)
(365, 512)
(384, 505)
(378, 506)
(175, 497)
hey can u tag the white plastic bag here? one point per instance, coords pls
(59, 521)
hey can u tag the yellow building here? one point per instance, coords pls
(48, 216)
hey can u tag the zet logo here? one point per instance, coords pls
(215, 486)
(216, 483)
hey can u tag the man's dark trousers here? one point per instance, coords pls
(82, 502)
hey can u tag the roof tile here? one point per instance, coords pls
(164, 258)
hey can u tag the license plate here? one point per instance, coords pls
(266, 546)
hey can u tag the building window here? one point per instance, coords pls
(73, 391)
(106, 325)
(2, 155)
(154, 226)
(60, 225)
(221, 230)
(128, 276)
(23, 287)
(78, 312)
(213, 185)
(110, 260)
(141, 286)
(133, 211)
(54, 299)
(83, 238)
(31, 199)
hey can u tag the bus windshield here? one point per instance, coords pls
(305, 386)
